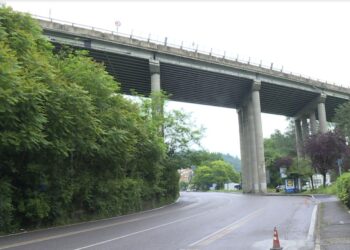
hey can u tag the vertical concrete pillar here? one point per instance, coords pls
(259, 136)
(298, 137)
(313, 123)
(321, 109)
(247, 154)
(252, 147)
(305, 128)
(154, 69)
(242, 140)
(157, 100)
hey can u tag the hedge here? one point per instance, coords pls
(343, 188)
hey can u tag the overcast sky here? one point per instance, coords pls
(306, 37)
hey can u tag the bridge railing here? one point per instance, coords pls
(192, 47)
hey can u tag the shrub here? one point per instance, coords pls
(343, 188)
(6, 208)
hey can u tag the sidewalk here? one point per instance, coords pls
(333, 224)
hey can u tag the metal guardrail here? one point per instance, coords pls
(184, 46)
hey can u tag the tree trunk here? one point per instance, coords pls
(312, 182)
(324, 179)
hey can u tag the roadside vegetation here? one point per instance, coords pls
(72, 147)
(343, 189)
(209, 170)
(323, 154)
(215, 172)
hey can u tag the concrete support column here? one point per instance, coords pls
(154, 69)
(252, 147)
(252, 144)
(313, 123)
(305, 128)
(157, 100)
(259, 136)
(247, 150)
(321, 109)
(298, 137)
(242, 140)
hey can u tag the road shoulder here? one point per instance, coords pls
(333, 224)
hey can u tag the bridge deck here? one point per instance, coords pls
(194, 77)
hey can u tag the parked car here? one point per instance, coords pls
(280, 188)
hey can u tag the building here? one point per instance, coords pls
(185, 174)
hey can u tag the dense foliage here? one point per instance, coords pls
(279, 150)
(342, 119)
(343, 189)
(216, 172)
(71, 146)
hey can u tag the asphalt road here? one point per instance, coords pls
(196, 221)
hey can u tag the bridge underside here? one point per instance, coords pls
(202, 79)
(205, 87)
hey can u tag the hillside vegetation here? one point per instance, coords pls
(71, 146)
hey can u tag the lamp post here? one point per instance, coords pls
(117, 24)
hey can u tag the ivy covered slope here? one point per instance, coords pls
(71, 146)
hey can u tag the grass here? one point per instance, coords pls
(226, 191)
(332, 190)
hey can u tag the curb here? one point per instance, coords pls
(89, 221)
(318, 228)
(286, 194)
(313, 223)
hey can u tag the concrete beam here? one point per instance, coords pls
(310, 107)
(108, 41)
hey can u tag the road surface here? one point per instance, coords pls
(197, 221)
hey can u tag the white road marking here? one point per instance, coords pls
(310, 235)
(225, 230)
(91, 221)
(23, 243)
(138, 232)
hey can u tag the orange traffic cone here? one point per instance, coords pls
(276, 241)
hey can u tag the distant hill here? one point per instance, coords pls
(233, 160)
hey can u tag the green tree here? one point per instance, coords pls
(72, 146)
(276, 147)
(342, 119)
(218, 172)
(179, 132)
(223, 173)
(203, 177)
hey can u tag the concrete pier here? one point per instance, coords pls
(252, 144)
(259, 136)
(154, 69)
(321, 109)
(302, 130)
(305, 128)
(299, 139)
(246, 183)
(313, 123)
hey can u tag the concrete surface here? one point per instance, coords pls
(197, 221)
(333, 227)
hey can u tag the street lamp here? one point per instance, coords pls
(117, 24)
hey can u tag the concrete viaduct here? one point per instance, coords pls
(200, 78)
